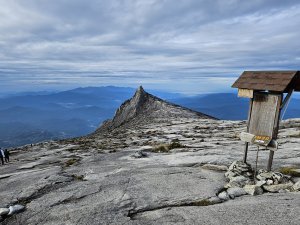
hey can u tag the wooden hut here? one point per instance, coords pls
(267, 100)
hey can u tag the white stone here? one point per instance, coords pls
(260, 183)
(269, 182)
(15, 209)
(277, 187)
(236, 192)
(4, 211)
(223, 196)
(253, 190)
(214, 200)
(239, 181)
(229, 174)
(296, 186)
(264, 175)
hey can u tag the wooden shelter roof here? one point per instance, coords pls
(278, 81)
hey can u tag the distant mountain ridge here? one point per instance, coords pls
(43, 116)
(228, 106)
(60, 115)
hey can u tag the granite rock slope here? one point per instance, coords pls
(163, 168)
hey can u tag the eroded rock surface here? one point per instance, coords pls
(98, 180)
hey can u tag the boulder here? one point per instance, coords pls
(4, 211)
(223, 196)
(214, 200)
(264, 175)
(230, 174)
(238, 181)
(295, 179)
(277, 187)
(296, 186)
(269, 182)
(236, 192)
(240, 168)
(260, 183)
(139, 154)
(15, 209)
(253, 189)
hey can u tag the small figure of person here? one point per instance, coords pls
(2, 156)
(6, 155)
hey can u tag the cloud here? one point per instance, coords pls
(159, 43)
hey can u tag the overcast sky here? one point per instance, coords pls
(188, 46)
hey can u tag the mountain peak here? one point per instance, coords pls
(144, 107)
(140, 90)
(139, 97)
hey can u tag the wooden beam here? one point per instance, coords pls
(245, 152)
(275, 132)
(270, 162)
(247, 137)
(248, 122)
(286, 99)
(245, 93)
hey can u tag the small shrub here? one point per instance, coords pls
(174, 145)
(290, 171)
(70, 162)
(161, 148)
(167, 147)
(203, 202)
(78, 177)
(73, 149)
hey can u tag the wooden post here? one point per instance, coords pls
(246, 143)
(270, 162)
(275, 132)
(246, 152)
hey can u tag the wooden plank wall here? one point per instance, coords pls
(264, 114)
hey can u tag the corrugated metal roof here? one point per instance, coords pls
(280, 81)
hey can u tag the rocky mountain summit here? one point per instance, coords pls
(153, 163)
(144, 108)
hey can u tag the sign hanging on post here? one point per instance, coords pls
(264, 115)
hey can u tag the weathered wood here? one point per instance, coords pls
(252, 139)
(277, 118)
(275, 131)
(245, 93)
(270, 162)
(286, 99)
(246, 152)
(247, 137)
(265, 111)
(248, 122)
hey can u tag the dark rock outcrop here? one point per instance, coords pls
(144, 107)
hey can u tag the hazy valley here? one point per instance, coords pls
(33, 117)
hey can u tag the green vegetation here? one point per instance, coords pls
(161, 148)
(292, 171)
(168, 147)
(203, 202)
(78, 177)
(70, 162)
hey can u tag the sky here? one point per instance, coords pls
(186, 46)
